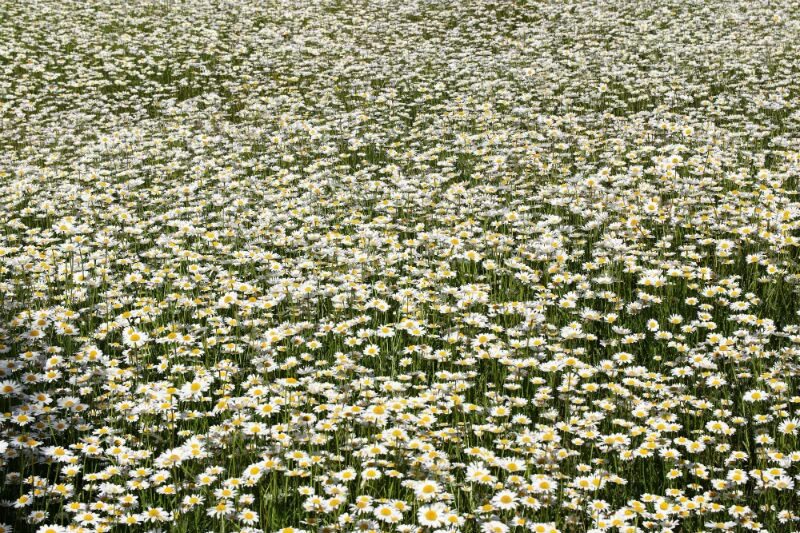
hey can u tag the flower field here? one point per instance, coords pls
(423, 266)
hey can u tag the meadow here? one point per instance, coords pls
(413, 266)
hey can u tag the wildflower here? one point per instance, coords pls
(494, 526)
(134, 338)
(426, 490)
(505, 500)
(431, 515)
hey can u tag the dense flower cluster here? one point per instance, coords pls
(418, 266)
